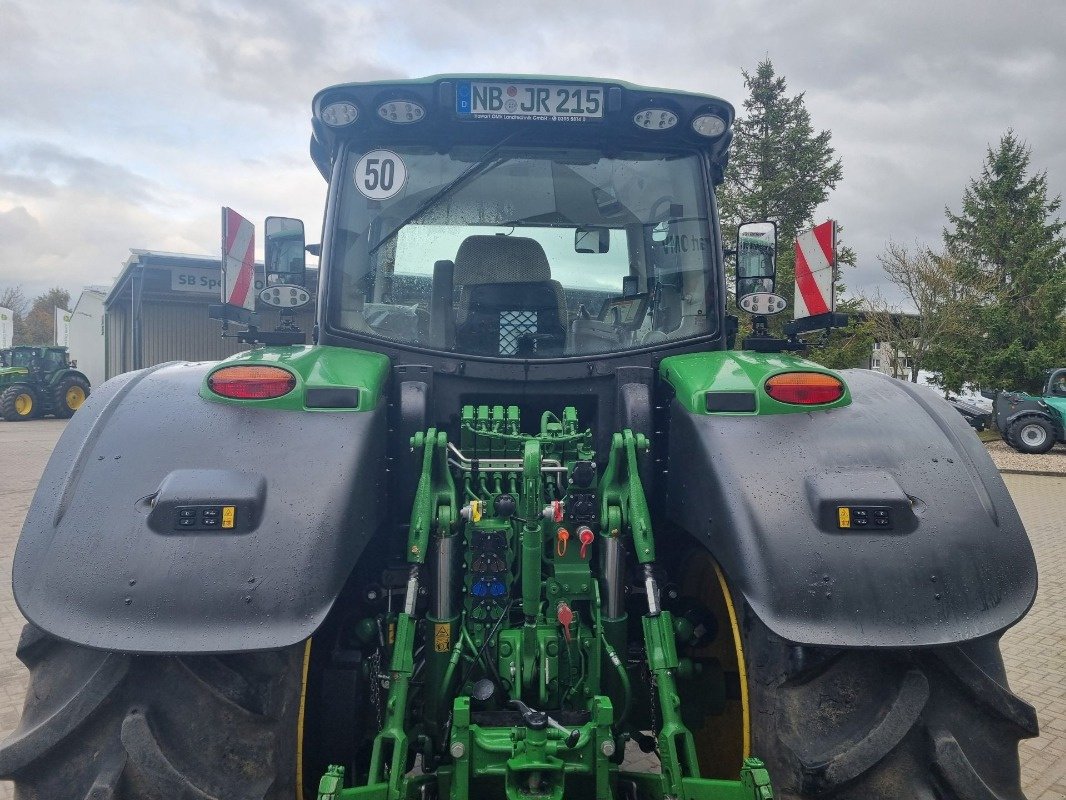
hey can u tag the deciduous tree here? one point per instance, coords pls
(39, 323)
(943, 298)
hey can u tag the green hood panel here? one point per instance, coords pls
(315, 367)
(742, 372)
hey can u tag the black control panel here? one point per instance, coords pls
(205, 518)
(864, 518)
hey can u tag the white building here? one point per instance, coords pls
(87, 333)
(891, 359)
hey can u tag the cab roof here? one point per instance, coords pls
(429, 80)
(442, 123)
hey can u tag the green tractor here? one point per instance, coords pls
(522, 522)
(36, 381)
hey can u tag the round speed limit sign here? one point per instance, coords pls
(380, 174)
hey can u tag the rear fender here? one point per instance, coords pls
(1010, 406)
(763, 494)
(103, 560)
(67, 373)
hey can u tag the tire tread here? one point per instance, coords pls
(848, 764)
(938, 724)
(111, 726)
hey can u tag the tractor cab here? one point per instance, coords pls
(1056, 383)
(513, 219)
(20, 356)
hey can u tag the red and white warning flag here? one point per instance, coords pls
(816, 258)
(238, 260)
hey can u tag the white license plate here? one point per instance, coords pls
(529, 100)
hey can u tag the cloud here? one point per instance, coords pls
(48, 169)
(129, 124)
(276, 54)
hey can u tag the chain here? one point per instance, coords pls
(376, 692)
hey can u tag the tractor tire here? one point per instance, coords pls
(859, 724)
(20, 402)
(1031, 434)
(68, 395)
(885, 724)
(143, 727)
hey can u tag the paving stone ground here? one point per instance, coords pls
(1034, 650)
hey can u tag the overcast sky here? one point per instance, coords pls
(128, 124)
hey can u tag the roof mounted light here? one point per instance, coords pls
(709, 125)
(655, 119)
(402, 112)
(337, 115)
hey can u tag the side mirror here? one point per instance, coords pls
(592, 240)
(286, 261)
(756, 258)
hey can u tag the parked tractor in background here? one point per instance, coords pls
(1032, 424)
(38, 381)
(521, 522)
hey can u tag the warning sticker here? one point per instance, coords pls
(380, 174)
(442, 637)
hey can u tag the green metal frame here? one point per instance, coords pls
(541, 656)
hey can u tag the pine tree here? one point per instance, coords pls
(1006, 239)
(780, 170)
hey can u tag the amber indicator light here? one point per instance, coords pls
(804, 388)
(251, 382)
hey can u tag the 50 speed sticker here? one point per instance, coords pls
(380, 174)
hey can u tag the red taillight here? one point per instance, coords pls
(247, 382)
(805, 388)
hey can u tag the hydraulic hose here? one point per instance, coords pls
(623, 678)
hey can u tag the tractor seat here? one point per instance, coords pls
(508, 303)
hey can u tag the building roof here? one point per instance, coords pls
(96, 291)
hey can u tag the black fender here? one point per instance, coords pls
(763, 492)
(62, 375)
(102, 563)
(1009, 407)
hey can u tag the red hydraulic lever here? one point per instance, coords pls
(565, 617)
